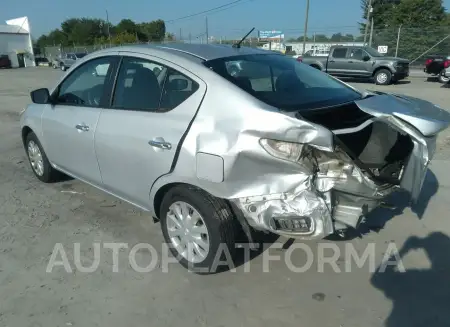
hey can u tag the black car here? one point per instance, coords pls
(4, 61)
(436, 65)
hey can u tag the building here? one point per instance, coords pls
(15, 41)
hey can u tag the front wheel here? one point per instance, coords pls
(199, 229)
(63, 68)
(442, 79)
(383, 77)
(38, 160)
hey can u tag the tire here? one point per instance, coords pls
(215, 214)
(442, 79)
(63, 68)
(316, 67)
(47, 173)
(383, 77)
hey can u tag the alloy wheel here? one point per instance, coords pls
(35, 156)
(382, 78)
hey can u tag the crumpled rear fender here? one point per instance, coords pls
(222, 155)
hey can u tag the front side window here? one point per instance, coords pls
(283, 82)
(84, 87)
(356, 54)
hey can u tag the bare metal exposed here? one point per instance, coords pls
(213, 139)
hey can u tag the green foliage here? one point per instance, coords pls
(88, 31)
(424, 23)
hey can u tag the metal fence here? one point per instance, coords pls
(402, 41)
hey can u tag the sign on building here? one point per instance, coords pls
(271, 35)
(382, 48)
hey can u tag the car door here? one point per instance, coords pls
(69, 123)
(136, 140)
(337, 61)
(357, 65)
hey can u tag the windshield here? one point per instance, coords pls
(373, 52)
(283, 82)
(80, 55)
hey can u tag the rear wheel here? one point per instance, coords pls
(383, 77)
(198, 228)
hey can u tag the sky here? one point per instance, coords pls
(325, 16)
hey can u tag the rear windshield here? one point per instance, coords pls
(80, 55)
(283, 82)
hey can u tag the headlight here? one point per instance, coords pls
(282, 150)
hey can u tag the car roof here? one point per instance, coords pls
(195, 52)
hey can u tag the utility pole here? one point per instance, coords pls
(207, 34)
(398, 40)
(306, 26)
(107, 24)
(369, 10)
(371, 32)
(180, 35)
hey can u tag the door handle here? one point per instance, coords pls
(160, 143)
(350, 61)
(82, 127)
(331, 61)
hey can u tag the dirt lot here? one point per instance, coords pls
(34, 217)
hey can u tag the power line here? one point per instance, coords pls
(223, 7)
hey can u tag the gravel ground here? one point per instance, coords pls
(35, 216)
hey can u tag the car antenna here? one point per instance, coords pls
(238, 45)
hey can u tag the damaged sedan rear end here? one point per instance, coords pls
(298, 153)
(344, 153)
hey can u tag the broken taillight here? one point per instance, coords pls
(428, 61)
(446, 63)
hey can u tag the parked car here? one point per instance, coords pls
(42, 61)
(65, 61)
(4, 61)
(283, 149)
(360, 62)
(436, 65)
(446, 73)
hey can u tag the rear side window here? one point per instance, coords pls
(149, 86)
(339, 52)
(177, 88)
(138, 87)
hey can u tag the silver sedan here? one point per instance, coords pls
(213, 140)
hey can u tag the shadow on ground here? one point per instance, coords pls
(420, 297)
(370, 81)
(378, 218)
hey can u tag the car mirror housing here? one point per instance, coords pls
(366, 58)
(40, 96)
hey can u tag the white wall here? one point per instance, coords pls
(11, 43)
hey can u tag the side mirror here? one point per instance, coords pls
(178, 84)
(40, 96)
(366, 58)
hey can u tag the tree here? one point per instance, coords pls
(422, 24)
(89, 31)
(154, 31)
(170, 37)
